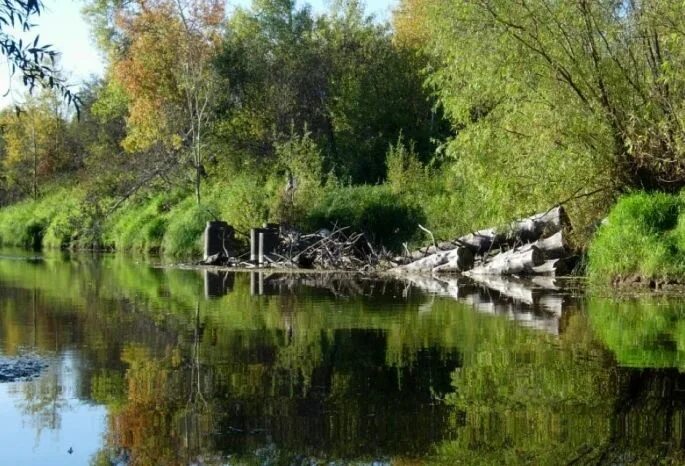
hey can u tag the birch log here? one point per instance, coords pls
(511, 262)
(521, 231)
(458, 259)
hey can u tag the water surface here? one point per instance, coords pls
(162, 366)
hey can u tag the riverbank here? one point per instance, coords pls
(171, 223)
(641, 243)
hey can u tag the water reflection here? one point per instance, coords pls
(218, 283)
(537, 303)
(215, 368)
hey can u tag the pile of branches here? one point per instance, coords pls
(337, 249)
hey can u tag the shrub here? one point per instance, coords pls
(52, 221)
(183, 236)
(298, 178)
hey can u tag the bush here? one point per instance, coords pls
(643, 235)
(299, 167)
(387, 218)
(140, 226)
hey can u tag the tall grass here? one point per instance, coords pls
(643, 235)
(54, 220)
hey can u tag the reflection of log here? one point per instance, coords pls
(552, 303)
(515, 299)
(511, 262)
(515, 290)
(546, 283)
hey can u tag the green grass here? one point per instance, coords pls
(55, 220)
(170, 223)
(644, 235)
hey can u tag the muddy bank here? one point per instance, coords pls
(22, 368)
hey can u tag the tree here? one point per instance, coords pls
(35, 146)
(163, 65)
(554, 99)
(338, 76)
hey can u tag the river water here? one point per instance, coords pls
(158, 366)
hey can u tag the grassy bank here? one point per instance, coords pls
(171, 222)
(642, 240)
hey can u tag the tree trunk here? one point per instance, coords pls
(521, 231)
(457, 260)
(511, 262)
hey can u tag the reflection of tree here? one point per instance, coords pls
(524, 400)
(354, 378)
(43, 401)
(148, 425)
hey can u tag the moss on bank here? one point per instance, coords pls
(642, 238)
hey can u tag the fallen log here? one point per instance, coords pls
(482, 241)
(511, 262)
(521, 231)
(539, 225)
(551, 267)
(458, 259)
(553, 246)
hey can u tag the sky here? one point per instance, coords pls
(63, 26)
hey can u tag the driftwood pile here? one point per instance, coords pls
(275, 247)
(531, 246)
(337, 249)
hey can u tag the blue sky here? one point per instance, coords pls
(62, 25)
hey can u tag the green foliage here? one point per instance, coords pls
(519, 400)
(56, 220)
(300, 167)
(184, 232)
(405, 173)
(140, 226)
(387, 218)
(338, 77)
(646, 332)
(641, 236)
(555, 101)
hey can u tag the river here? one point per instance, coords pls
(161, 366)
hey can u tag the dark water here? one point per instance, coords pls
(156, 366)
